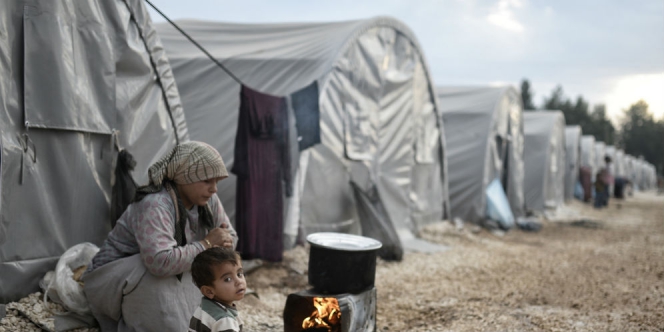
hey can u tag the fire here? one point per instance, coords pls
(327, 314)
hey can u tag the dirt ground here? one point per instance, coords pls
(586, 270)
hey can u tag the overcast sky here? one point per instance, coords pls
(609, 51)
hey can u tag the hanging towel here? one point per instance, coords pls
(307, 115)
(262, 161)
(124, 188)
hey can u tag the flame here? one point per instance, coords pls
(327, 314)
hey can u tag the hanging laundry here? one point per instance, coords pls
(124, 188)
(307, 115)
(262, 166)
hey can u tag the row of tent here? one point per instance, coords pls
(82, 80)
(584, 150)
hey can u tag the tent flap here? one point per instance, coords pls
(484, 137)
(68, 67)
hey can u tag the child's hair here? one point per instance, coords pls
(201, 268)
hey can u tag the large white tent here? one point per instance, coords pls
(76, 78)
(379, 119)
(544, 159)
(573, 158)
(484, 136)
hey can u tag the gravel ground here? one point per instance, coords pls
(586, 270)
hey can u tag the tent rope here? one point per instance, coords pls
(195, 43)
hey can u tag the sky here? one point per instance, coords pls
(609, 51)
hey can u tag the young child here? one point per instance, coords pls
(218, 273)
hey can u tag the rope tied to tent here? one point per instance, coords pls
(195, 43)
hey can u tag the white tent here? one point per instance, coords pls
(600, 153)
(652, 176)
(379, 120)
(544, 159)
(629, 167)
(573, 158)
(620, 163)
(484, 136)
(640, 173)
(646, 174)
(610, 151)
(635, 175)
(76, 78)
(588, 154)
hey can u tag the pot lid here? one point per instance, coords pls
(341, 241)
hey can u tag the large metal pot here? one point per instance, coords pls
(342, 263)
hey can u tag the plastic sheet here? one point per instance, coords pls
(63, 288)
(497, 207)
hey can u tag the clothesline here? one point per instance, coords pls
(196, 43)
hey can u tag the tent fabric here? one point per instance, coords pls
(89, 77)
(620, 163)
(652, 177)
(645, 174)
(376, 105)
(629, 168)
(588, 167)
(544, 159)
(636, 173)
(573, 159)
(484, 137)
(610, 151)
(375, 222)
(600, 149)
(588, 153)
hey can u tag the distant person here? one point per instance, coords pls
(603, 181)
(219, 275)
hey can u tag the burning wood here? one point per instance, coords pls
(327, 315)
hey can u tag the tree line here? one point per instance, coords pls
(638, 134)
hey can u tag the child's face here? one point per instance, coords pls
(229, 283)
